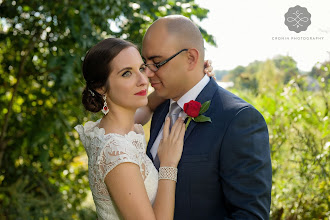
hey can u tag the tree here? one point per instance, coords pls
(219, 74)
(299, 133)
(42, 46)
(287, 65)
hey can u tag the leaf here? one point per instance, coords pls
(68, 76)
(53, 82)
(205, 107)
(202, 118)
(26, 8)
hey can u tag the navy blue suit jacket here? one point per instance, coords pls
(225, 170)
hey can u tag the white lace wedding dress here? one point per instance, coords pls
(105, 152)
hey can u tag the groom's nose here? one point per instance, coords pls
(149, 72)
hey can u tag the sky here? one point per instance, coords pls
(251, 30)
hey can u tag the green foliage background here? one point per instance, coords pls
(43, 174)
(296, 109)
(43, 167)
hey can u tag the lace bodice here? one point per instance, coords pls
(105, 152)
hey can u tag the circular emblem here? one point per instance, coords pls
(297, 19)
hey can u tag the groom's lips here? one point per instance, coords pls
(153, 84)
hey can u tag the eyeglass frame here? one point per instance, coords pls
(158, 65)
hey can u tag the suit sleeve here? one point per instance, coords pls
(245, 166)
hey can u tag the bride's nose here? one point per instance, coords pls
(142, 79)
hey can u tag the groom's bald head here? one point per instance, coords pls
(183, 30)
(176, 43)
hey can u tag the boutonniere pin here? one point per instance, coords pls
(195, 109)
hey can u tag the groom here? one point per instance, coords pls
(225, 170)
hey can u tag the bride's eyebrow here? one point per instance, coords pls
(126, 68)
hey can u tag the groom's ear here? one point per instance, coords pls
(193, 57)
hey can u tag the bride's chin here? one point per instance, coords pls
(141, 104)
(144, 102)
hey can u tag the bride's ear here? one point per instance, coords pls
(105, 88)
(101, 90)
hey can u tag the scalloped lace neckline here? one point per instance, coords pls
(134, 132)
(120, 135)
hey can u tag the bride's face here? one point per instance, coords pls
(128, 83)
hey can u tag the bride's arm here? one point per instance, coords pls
(144, 113)
(126, 186)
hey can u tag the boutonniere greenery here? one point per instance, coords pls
(195, 109)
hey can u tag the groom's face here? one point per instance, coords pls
(168, 81)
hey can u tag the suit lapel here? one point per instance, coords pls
(205, 95)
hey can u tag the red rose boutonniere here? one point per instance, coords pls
(195, 109)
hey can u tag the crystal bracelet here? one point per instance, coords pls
(168, 173)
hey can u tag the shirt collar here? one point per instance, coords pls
(193, 92)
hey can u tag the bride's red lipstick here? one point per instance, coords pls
(142, 93)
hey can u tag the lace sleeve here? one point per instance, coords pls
(80, 130)
(117, 150)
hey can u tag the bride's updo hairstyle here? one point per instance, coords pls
(96, 69)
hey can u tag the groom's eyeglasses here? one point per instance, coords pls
(155, 66)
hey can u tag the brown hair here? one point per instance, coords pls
(96, 69)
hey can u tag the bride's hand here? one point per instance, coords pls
(208, 69)
(171, 146)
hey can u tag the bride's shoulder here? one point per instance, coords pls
(90, 129)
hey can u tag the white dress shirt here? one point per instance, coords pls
(190, 95)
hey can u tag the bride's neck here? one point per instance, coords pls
(118, 120)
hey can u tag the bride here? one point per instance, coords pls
(123, 180)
